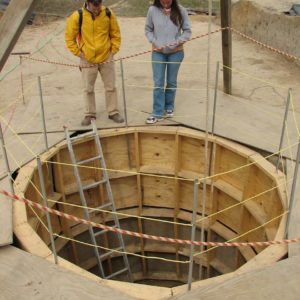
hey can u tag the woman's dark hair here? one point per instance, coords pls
(175, 16)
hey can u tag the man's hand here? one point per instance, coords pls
(81, 55)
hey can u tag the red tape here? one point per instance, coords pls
(142, 235)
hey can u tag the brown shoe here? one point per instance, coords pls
(87, 120)
(116, 118)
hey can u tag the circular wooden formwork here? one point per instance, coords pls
(151, 171)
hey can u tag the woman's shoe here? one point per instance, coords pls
(169, 113)
(153, 120)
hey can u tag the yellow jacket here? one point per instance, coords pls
(99, 36)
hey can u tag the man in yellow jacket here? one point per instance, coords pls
(93, 34)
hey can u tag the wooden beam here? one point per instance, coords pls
(225, 6)
(12, 24)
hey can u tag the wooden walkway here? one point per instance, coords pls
(276, 282)
(25, 276)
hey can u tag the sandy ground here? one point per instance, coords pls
(252, 115)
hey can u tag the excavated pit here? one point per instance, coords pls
(152, 172)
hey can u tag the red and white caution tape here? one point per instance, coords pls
(118, 59)
(142, 235)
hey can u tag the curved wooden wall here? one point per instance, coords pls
(136, 157)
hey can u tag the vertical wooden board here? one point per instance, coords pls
(43, 232)
(187, 197)
(83, 151)
(158, 191)
(66, 167)
(227, 162)
(125, 192)
(192, 153)
(46, 174)
(119, 152)
(274, 212)
(229, 217)
(250, 233)
(157, 150)
(261, 183)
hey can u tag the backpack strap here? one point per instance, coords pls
(107, 12)
(80, 19)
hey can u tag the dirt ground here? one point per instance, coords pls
(252, 114)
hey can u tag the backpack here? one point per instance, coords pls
(107, 12)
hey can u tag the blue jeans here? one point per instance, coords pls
(164, 72)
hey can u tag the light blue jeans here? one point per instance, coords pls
(165, 80)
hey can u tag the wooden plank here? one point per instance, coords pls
(220, 266)
(29, 277)
(230, 166)
(229, 235)
(156, 149)
(276, 282)
(229, 189)
(140, 199)
(178, 160)
(12, 24)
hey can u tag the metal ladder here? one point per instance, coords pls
(109, 206)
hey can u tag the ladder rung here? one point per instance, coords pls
(104, 231)
(80, 136)
(92, 185)
(105, 255)
(81, 162)
(100, 207)
(116, 273)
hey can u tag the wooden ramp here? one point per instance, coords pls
(24, 276)
(276, 282)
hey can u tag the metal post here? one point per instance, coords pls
(193, 233)
(42, 183)
(125, 112)
(214, 113)
(292, 196)
(215, 98)
(124, 94)
(283, 127)
(43, 113)
(202, 224)
(6, 161)
(22, 81)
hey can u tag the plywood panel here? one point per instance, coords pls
(228, 160)
(192, 153)
(119, 152)
(268, 204)
(230, 217)
(83, 151)
(252, 230)
(157, 150)
(158, 191)
(125, 192)
(24, 276)
(187, 197)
